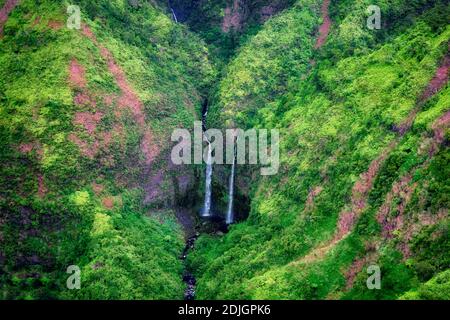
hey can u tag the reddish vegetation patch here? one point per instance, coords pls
(77, 74)
(118, 132)
(360, 193)
(42, 189)
(26, 147)
(403, 191)
(148, 147)
(108, 202)
(390, 223)
(439, 132)
(408, 225)
(36, 21)
(86, 149)
(88, 120)
(153, 189)
(353, 271)
(407, 123)
(84, 99)
(313, 193)
(102, 141)
(438, 81)
(5, 11)
(267, 12)
(88, 33)
(412, 228)
(55, 25)
(359, 264)
(232, 18)
(98, 188)
(109, 99)
(128, 97)
(106, 139)
(324, 29)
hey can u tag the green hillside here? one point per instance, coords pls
(313, 228)
(86, 117)
(86, 178)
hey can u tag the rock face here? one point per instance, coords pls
(234, 16)
(170, 186)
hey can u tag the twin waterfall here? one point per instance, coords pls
(229, 218)
(206, 211)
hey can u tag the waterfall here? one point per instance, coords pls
(174, 15)
(207, 206)
(173, 11)
(230, 215)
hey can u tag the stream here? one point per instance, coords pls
(188, 278)
(206, 212)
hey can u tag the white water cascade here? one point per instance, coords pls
(208, 190)
(174, 15)
(230, 214)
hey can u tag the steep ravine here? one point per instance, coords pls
(87, 178)
(206, 214)
(280, 228)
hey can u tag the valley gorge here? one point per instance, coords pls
(88, 179)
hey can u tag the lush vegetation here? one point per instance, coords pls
(85, 123)
(335, 118)
(74, 172)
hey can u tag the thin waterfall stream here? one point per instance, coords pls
(208, 190)
(174, 16)
(206, 211)
(229, 219)
(188, 278)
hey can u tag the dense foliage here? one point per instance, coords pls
(74, 171)
(337, 117)
(85, 122)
